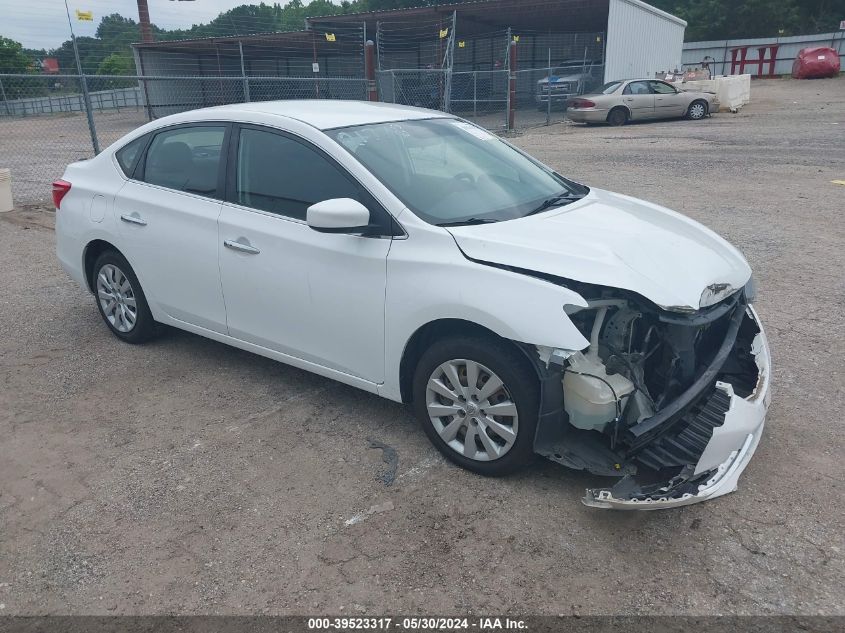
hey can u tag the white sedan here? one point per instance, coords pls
(418, 257)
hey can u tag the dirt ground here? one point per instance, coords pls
(37, 148)
(185, 476)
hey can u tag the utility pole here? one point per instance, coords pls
(85, 96)
(144, 20)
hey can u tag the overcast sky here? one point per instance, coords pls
(43, 23)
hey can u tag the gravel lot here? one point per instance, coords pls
(186, 476)
(37, 148)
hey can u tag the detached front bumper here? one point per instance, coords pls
(725, 456)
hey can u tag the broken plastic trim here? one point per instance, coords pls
(640, 434)
(716, 485)
(742, 428)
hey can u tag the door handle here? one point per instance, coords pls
(240, 246)
(133, 219)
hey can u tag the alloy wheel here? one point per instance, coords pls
(697, 111)
(472, 410)
(117, 298)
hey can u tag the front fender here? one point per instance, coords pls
(422, 288)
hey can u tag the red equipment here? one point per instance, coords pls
(815, 63)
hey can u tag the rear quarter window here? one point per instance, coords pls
(128, 154)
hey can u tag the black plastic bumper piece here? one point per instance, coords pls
(686, 441)
(644, 432)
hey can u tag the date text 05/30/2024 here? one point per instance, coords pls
(417, 624)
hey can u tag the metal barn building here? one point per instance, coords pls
(449, 56)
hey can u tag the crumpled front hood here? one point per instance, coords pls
(618, 241)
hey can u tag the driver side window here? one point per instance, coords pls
(278, 174)
(662, 88)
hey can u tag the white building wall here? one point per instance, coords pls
(720, 51)
(641, 40)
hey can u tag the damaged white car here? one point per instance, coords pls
(419, 257)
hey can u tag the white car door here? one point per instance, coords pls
(315, 296)
(668, 102)
(639, 99)
(167, 218)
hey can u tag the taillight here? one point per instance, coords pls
(582, 103)
(60, 189)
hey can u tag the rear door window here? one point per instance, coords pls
(186, 159)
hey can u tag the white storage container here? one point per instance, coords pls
(6, 191)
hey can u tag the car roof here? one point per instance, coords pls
(327, 113)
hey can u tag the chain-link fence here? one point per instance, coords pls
(480, 96)
(163, 96)
(539, 97)
(542, 94)
(43, 127)
(46, 122)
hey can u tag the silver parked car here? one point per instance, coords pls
(618, 102)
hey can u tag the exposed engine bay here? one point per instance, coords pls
(645, 399)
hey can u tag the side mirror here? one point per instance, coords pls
(339, 215)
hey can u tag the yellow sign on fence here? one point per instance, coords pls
(330, 37)
(85, 16)
(462, 44)
(444, 33)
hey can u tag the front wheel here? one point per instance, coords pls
(477, 400)
(697, 111)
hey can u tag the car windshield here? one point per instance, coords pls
(449, 171)
(609, 88)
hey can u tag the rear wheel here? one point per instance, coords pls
(121, 300)
(618, 116)
(477, 402)
(697, 110)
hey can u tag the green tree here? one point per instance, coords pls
(90, 55)
(12, 57)
(116, 27)
(727, 19)
(821, 16)
(116, 64)
(14, 60)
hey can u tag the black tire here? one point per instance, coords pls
(618, 116)
(519, 379)
(694, 114)
(143, 328)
